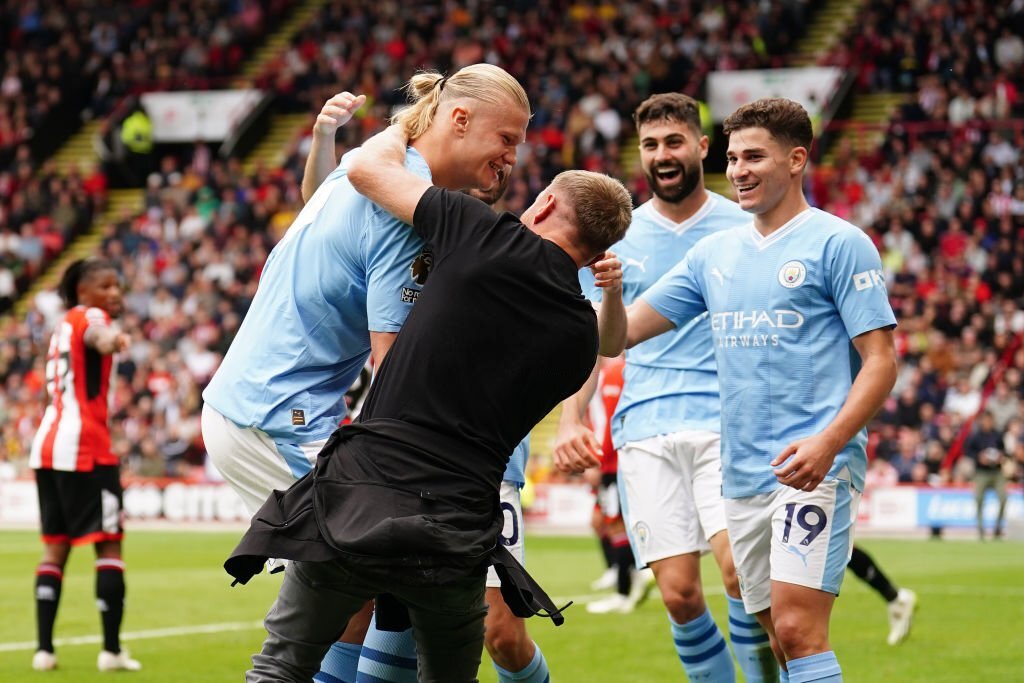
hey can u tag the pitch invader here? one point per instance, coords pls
(667, 423)
(794, 410)
(390, 656)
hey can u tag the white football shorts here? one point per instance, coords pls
(671, 493)
(512, 532)
(799, 537)
(252, 462)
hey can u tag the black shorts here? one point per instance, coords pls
(80, 507)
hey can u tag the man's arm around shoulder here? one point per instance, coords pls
(378, 173)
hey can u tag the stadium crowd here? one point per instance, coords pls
(66, 61)
(585, 66)
(943, 201)
(40, 211)
(68, 55)
(961, 57)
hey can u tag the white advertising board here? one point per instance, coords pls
(192, 115)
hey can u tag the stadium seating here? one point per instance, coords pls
(943, 198)
(57, 72)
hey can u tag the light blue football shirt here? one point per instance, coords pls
(515, 471)
(343, 268)
(783, 310)
(670, 381)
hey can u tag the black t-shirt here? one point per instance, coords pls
(500, 334)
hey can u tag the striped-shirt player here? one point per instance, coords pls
(77, 473)
(74, 436)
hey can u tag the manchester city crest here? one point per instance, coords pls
(642, 533)
(792, 274)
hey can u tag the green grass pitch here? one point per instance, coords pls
(184, 623)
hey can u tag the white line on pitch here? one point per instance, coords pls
(143, 635)
(582, 599)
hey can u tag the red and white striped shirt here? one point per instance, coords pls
(74, 435)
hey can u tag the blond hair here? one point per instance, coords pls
(428, 89)
(601, 207)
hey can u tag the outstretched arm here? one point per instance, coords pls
(336, 112)
(378, 173)
(106, 340)
(810, 459)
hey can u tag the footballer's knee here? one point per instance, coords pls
(798, 637)
(110, 549)
(506, 639)
(509, 646)
(679, 582)
(56, 554)
(684, 601)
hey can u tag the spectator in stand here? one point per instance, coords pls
(1002, 405)
(909, 455)
(963, 399)
(888, 444)
(986, 448)
(1013, 446)
(880, 474)
(934, 461)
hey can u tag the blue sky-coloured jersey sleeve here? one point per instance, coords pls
(390, 248)
(858, 284)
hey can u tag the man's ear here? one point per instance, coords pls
(798, 159)
(546, 209)
(460, 120)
